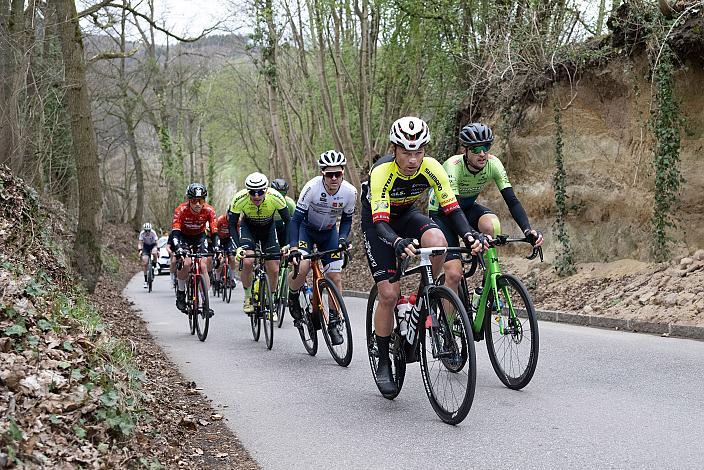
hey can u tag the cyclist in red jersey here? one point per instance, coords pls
(188, 228)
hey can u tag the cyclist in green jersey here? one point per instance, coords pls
(254, 208)
(469, 173)
(281, 186)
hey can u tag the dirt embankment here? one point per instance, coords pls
(82, 384)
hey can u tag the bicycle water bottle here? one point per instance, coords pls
(403, 308)
(255, 290)
(476, 297)
(309, 295)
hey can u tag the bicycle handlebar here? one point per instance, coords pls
(320, 254)
(500, 240)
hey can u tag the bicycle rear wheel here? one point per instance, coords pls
(332, 301)
(227, 286)
(201, 312)
(266, 307)
(396, 342)
(511, 332)
(444, 346)
(306, 326)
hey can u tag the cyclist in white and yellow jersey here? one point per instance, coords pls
(393, 226)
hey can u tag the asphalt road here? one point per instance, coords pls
(599, 398)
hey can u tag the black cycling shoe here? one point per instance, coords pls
(211, 313)
(294, 307)
(385, 379)
(181, 300)
(335, 336)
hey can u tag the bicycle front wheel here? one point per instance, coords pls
(335, 318)
(396, 344)
(448, 360)
(281, 297)
(227, 288)
(266, 307)
(511, 331)
(306, 325)
(150, 277)
(201, 312)
(189, 306)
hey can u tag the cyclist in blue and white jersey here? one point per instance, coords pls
(323, 199)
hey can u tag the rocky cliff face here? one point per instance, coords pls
(608, 151)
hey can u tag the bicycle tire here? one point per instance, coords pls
(396, 350)
(266, 308)
(256, 324)
(189, 305)
(201, 311)
(150, 276)
(342, 353)
(282, 297)
(498, 345)
(434, 341)
(306, 326)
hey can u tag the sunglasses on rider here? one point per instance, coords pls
(333, 174)
(479, 149)
(257, 192)
(198, 200)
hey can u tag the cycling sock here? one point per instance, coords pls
(145, 278)
(247, 292)
(292, 293)
(181, 285)
(382, 343)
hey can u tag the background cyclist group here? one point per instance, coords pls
(392, 224)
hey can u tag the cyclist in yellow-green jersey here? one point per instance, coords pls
(254, 208)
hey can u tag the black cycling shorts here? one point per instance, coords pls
(147, 249)
(250, 235)
(195, 243)
(380, 255)
(473, 213)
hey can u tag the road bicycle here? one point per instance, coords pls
(281, 294)
(324, 308)
(150, 275)
(504, 314)
(223, 287)
(197, 303)
(435, 331)
(262, 300)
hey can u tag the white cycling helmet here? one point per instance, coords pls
(256, 181)
(410, 133)
(147, 227)
(331, 158)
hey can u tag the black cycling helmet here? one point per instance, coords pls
(196, 190)
(280, 185)
(475, 134)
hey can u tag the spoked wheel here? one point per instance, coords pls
(201, 312)
(215, 285)
(398, 356)
(335, 317)
(150, 276)
(189, 306)
(266, 307)
(511, 331)
(306, 326)
(448, 360)
(228, 280)
(282, 298)
(256, 323)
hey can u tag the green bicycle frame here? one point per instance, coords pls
(491, 274)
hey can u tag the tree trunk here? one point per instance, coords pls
(86, 250)
(12, 66)
(270, 74)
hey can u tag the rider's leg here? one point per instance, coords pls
(489, 224)
(434, 237)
